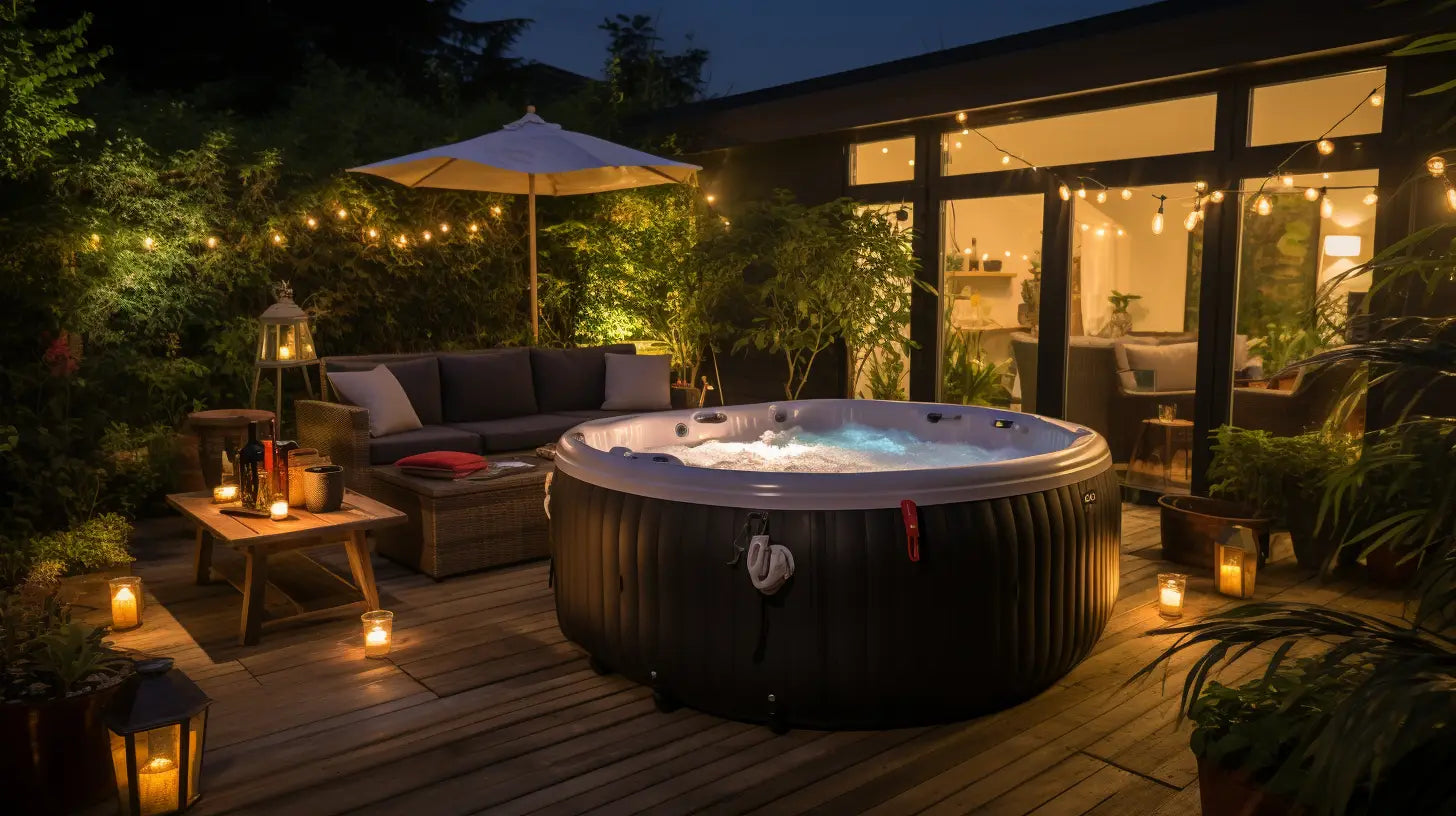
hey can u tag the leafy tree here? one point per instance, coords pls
(642, 76)
(41, 71)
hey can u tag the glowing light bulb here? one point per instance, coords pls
(1370, 199)
(496, 210)
(341, 213)
(1126, 194)
(884, 150)
(148, 243)
(1081, 192)
(310, 221)
(1005, 159)
(985, 256)
(373, 233)
(1436, 166)
(965, 131)
(1288, 180)
(401, 240)
(1216, 196)
(1263, 206)
(427, 235)
(1101, 196)
(1120, 232)
(444, 228)
(1100, 232)
(1008, 253)
(1376, 100)
(911, 162)
(961, 117)
(958, 145)
(1451, 197)
(95, 239)
(1325, 147)
(1085, 227)
(1025, 257)
(1065, 192)
(1311, 194)
(1200, 186)
(277, 238)
(212, 242)
(1158, 222)
(710, 198)
(1325, 176)
(1327, 207)
(474, 228)
(1191, 222)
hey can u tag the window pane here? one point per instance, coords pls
(1300, 111)
(1293, 300)
(1153, 129)
(886, 375)
(1133, 350)
(879, 162)
(990, 279)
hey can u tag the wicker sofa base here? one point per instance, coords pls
(457, 527)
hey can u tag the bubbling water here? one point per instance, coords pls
(847, 449)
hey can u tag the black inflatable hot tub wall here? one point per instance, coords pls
(1008, 595)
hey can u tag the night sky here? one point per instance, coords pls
(758, 43)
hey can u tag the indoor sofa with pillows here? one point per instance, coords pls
(490, 401)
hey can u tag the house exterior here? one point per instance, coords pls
(1275, 137)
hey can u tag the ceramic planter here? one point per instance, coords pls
(57, 752)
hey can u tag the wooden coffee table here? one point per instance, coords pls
(463, 525)
(259, 538)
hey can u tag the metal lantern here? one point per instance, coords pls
(157, 732)
(284, 341)
(1236, 562)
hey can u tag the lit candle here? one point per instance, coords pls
(285, 353)
(223, 494)
(1171, 589)
(157, 782)
(278, 510)
(125, 606)
(378, 632)
(1231, 579)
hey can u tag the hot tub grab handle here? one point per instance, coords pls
(912, 529)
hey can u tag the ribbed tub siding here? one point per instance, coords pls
(1008, 595)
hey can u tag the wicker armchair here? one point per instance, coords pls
(340, 432)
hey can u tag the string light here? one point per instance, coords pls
(474, 227)
(402, 240)
(212, 242)
(1311, 194)
(1101, 231)
(965, 131)
(1325, 147)
(1216, 196)
(710, 198)
(957, 145)
(1370, 199)
(95, 240)
(1101, 196)
(341, 214)
(1436, 166)
(444, 228)
(911, 162)
(1288, 180)
(277, 238)
(373, 233)
(148, 243)
(495, 210)
(1376, 100)
(1120, 232)
(1085, 227)
(1451, 196)
(1200, 186)
(310, 221)
(1065, 192)
(1126, 194)
(1263, 206)
(1158, 217)
(961, 117)
(426, 235)
(1082, 191)
(884, 150)
(1005, 159)
(1327, 207)
(1190, 223)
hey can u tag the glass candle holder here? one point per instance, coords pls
(225, 494)
(1167, 413)
(378, 632)
(126, 602)
(1172, 586)
(278, 509)
(1236, 563)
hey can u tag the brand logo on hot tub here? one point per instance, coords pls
(1089, 497)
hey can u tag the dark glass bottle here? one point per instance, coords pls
(281, 450)
(250, 468)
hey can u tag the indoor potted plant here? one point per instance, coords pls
(56, 678)
(1120, 324)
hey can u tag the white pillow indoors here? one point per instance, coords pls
(638, 382)
(379, 392)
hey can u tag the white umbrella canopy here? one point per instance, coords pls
(531, 156)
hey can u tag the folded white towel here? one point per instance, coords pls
(770, 565)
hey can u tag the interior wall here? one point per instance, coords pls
(1006, 229)
(1114, 243)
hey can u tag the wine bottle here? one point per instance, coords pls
(250, 467)
(282, 449)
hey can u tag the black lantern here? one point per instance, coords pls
(156, 739)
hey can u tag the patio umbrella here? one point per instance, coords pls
(531, 155)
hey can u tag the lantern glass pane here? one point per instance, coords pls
(305, 349)
(123, 779)
(158, 769)
(196, 728)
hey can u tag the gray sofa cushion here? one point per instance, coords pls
(572, 379)
(386, 450)
(419, 377)
(520, 433)
(494, 384)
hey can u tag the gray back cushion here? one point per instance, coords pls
(572, 379)
(418, 376)
(493, 384)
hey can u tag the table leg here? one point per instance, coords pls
(202, 558)
(358, 549)
(1167, 456)
(255, 586)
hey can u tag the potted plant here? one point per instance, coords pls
(1028, 311)
(1191, 525)
(968, 378)
(56, 678)
(1121, 322)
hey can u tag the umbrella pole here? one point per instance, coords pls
(531, 208)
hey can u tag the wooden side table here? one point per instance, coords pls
(218, 431)
(260, 538)
(1177, 437)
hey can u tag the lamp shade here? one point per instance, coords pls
(1342, 246)
(284, 337)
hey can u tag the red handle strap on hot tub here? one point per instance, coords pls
(912, 529)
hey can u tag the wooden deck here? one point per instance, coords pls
(483, 707)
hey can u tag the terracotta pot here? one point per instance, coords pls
(58, 753)
(1191, 525)
(1223, 792)
(686, 396)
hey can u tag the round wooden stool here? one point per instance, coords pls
(219, 431)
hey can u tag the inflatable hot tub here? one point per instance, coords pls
(958, 559)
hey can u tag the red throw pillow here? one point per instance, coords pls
(452, 463)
